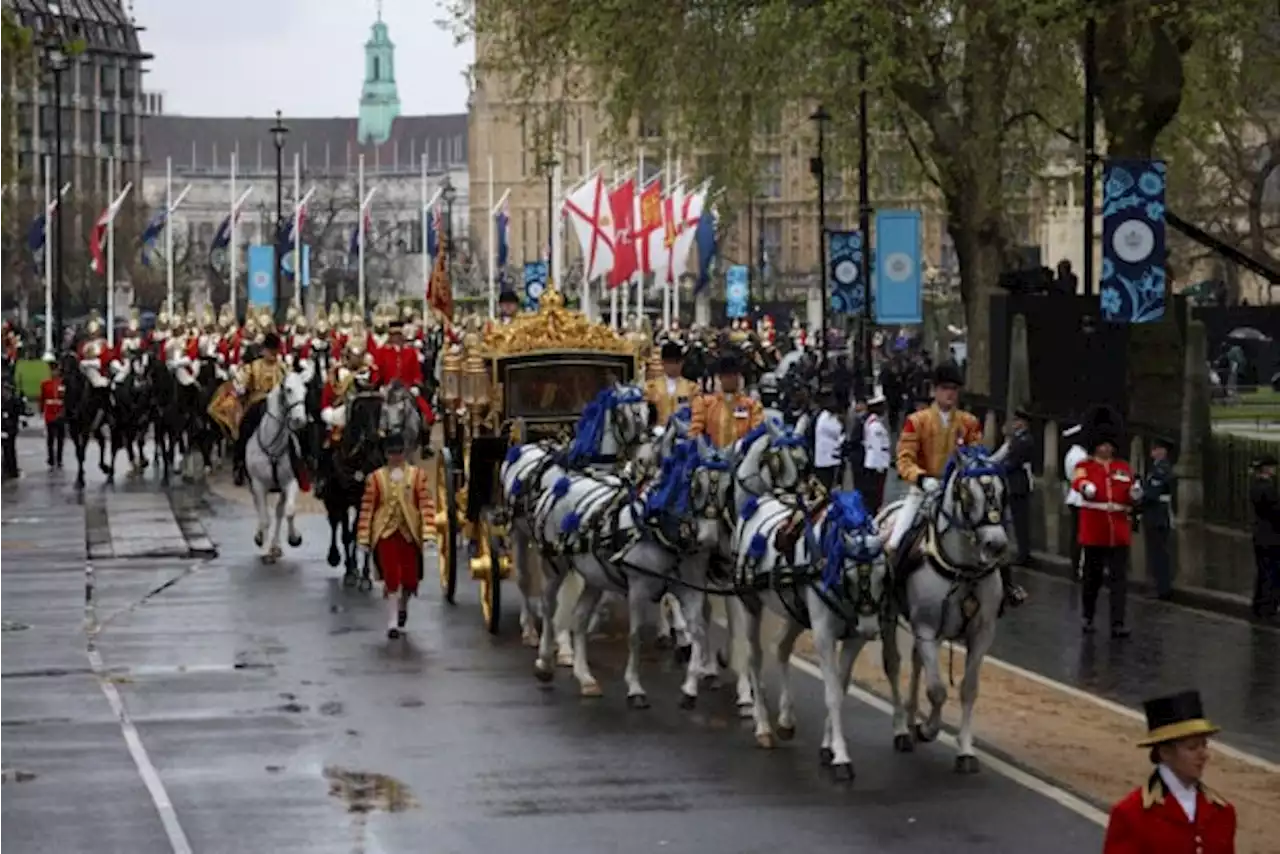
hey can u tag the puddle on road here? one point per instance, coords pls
(365, 791)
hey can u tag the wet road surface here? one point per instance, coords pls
(277, 717)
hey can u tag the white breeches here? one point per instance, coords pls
(905, 517)
(334, 416)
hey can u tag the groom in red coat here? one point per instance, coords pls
(399, 361)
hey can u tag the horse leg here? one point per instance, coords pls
(836, 750)
(543, 665)
(102, 453)
(336, 521)
(976, 646)
(891, 658)
(738, 659)
(567, 597)
(276, 550)
(290, 501)
(582, 609)
(259, 491)
(82, 448)
(691, 600)
(525, 582)
(927, 647)
(786, 705)
(751, 619)
(666, 633)
(639, 596)
(679, 626)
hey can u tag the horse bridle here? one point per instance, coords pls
(282, 419)
(962, 521)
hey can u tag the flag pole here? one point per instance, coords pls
(48, 260)
(613, 292)
(557, 217)
(168, 234)
(360, 236)
(637, 226)
(297, 230)
(678, 213)
(588, 299)
(493, 295)
(111, 254)
(669, 189)
(426, 230)
(231, 247)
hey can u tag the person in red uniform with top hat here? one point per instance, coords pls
(1174, 812)
(1109, 489)
(399, 361)
(53, 392)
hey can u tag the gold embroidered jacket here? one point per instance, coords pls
(926, 444)
(391, 507)
(655, 392)
(725, 420)
(259, 378)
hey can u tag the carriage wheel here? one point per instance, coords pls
(491, 586)
(446, 497)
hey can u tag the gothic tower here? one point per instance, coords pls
(379, 102)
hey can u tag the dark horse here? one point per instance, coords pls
(347, 466)
(88, 410)
(135, 404)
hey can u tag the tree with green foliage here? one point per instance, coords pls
(973, 88)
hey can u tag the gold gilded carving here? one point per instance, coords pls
(553, 327)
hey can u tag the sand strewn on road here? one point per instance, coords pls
(1081, 744)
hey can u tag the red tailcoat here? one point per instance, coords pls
(1150, 821)
(1104, 518)
(193, 348)
(401, 363)
(52, 393)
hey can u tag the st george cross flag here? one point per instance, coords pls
(650, 223)
(662, 242)
(622, 201)
(687, 219)
(589, 210)
(99, 234)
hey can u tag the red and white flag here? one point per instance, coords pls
(691, 207)
(622, 201)
(650, 225)
(98, 236)
(589, 209)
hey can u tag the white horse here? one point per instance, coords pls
(950, 589)
(531, 469)
(640, 546)
(824, 571)
(270, 456)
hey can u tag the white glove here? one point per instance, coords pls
(1135, 494)
(359, 476)
(929, 485)
(415, 391)
(1089, 490)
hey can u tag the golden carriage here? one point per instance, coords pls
(503, 385)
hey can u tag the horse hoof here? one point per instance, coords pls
(542, 673)
(843, 772)
(276, 551)
(333, 557)
(826, 756)
(592, 689)
(922, 736)
(295, 541)
(786, 733)
(529, 639)
(765, 740)
(257, 539)
(365, 585)
(966, 765)
(903, 743)
(683, 654)
(268, 559)
(688, 702)
(349, 580)
(634, 701)
(564, 659)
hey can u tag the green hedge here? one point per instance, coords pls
(1228, 476)
(28, 374)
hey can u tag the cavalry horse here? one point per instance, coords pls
(819, 568)
(88, 409)
(400, 415)
(273, 461)
(949, 589)
(346, 467)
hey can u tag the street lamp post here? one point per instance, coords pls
(279, 132)
(448, 194)
(56, 62)
(550, 165)
(864, 227)
(818, 167)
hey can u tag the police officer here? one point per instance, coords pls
(1156, 516)
(1021, 450)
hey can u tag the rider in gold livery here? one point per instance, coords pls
(253, 383)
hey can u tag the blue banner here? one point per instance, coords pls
(844, 272)
(737, 291)
(286, 265)
(535, 282)
(1132, 286)
(899, 295)
(262, 279)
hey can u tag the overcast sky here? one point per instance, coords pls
(305, 57)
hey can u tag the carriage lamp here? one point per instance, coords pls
(452, 379)
(477, 383)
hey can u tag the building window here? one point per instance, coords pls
(769, 121)
(127, 136)
(771, 180)
(651, 125)
(891, 179)
(107, 80)
(377, 68)
(771, 240)
(47, 118)
(128, 83)
(107, 128)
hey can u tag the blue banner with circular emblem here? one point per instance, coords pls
(844, 272)
(899, 295)
(535, 282)
(1132, 286)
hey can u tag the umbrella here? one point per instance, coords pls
(1248, 333)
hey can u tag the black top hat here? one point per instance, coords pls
(672, 352)
(271, 341)
(508, 296)
(948, 373)
(728, 364)
(396, 325)
(1022, 414)
(1174, 717)
(393, 443)
(1162, 442)
(1265, 460)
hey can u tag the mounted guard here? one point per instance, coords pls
(252, 383)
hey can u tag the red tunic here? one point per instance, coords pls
(1104, 518)
(401, 363)
(51, 399)
(193, 348)
(1149, 821)
(104, 358)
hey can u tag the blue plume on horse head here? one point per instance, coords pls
(513, 454)
(749, 507)
(561, 487)
(846, 516)
(971, 461)
(589, 432)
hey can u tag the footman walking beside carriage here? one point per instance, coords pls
(1174, 812)
(397, 521)
(726, 416)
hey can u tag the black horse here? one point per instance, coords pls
(347, 467)
(89, 410)
(135, 409)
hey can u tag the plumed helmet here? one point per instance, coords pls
(353, 353)
(1103, 424)
(135, 319)
(408, 312)
(948, 373)
(250, 326)
(322, 325)
(300, 323)
(292, 314)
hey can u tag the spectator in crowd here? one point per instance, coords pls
(828, 441)
(1266, 538)
(877, 455)
(1075, 455)
(52, 395)
(1156, 510)
(1021, 451)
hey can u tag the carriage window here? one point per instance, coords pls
(539, 390)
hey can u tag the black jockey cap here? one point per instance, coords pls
(271, 341)
(729, 363)
(393, 444)
(508, 296)
(672, 352)
(948, 373)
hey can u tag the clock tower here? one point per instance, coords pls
(379, 101)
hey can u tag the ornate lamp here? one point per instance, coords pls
(451, 379)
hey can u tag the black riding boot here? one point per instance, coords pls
(248, 424)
